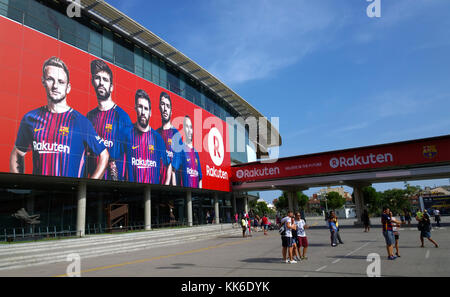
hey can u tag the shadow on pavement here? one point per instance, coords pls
(262, 260)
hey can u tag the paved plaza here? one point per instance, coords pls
(260, 256)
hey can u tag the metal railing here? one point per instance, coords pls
(49, 232)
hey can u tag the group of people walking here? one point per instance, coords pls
(247, 223)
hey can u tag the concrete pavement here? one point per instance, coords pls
(260, 256)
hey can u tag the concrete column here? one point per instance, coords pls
(189, 208)
(359, 203)
(291, 200)
(81, 209)
(148, 208)
(295, 201)
(216, 207)
(233, 203)
(246, 204)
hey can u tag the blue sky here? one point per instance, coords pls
(335, 77)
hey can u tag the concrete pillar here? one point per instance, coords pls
(216, 207)
(359, 203)
(148, 208)
(233, 203)
(189, 208)
(246, 204)
(81, 209)
(291, 200)
(295, 201)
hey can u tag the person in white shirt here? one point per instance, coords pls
(286, 238)
(301, 236)
(395, 229)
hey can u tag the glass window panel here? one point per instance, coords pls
(67, 29)
(162, 74)
(123, 53)
(173, 82)
(147, 66)
(107, 45)
(16, 9)
(4, 7)
(183, 86)
(42, 19)
(155, 70)
(82, 36)
(95, 43)
(138, 61)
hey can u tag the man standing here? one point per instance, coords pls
(56, 133)
(388, 233)
(110, 121)
(286, 238)
(191, 171)
(146, 151)
(171, 136)
(437, 217)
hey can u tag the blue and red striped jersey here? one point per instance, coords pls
(146, 155)
(190, 168)
(58, 141)
(171, 137)
(114, 127)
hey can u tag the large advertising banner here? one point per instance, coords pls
(389, 156)
(67, 113)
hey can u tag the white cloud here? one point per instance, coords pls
(256, 38)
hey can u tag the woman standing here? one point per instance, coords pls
(395, 229)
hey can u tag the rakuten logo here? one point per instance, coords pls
(245, 173)
(361, 160)
(217, 173)
(107, 143)
(140, 163)
(50, 148)
(192, 172)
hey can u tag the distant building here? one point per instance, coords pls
(347, 211)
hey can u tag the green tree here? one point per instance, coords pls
(282, 203)
(395, 199)
(372, 199)
(335, 200)
(302, 200)
(261, 208)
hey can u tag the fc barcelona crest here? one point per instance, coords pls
(64, 130)
(429, 151)
(108, 128)
(151, 148)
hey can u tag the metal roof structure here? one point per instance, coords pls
(121, 23)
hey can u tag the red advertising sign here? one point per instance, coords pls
(65, 112)
(389, 156)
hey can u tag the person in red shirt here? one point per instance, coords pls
(265, 223)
